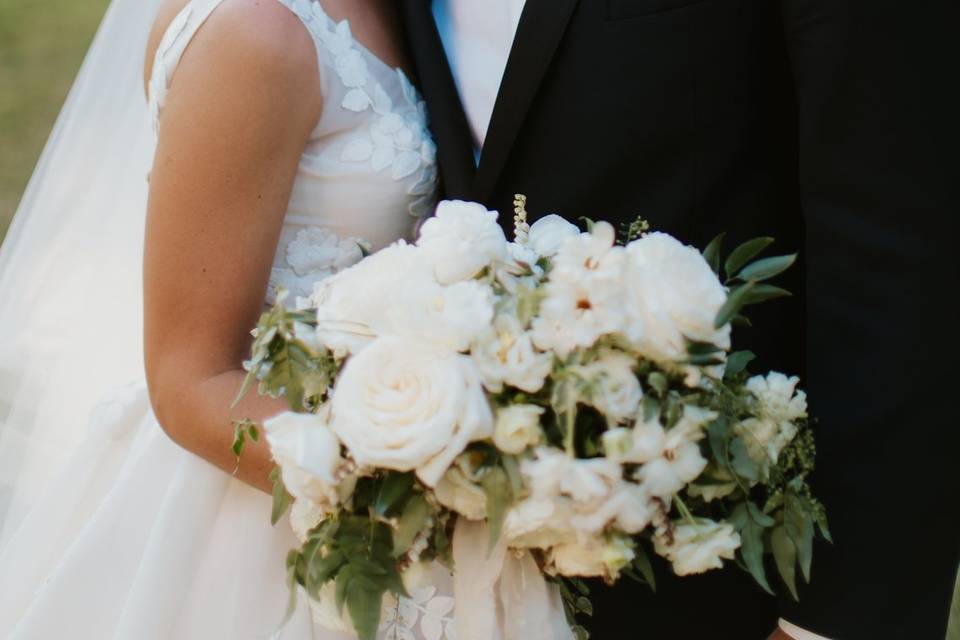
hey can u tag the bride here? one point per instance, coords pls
(288, 141)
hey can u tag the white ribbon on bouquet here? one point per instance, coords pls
(499, 594)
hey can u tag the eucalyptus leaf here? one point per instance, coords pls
(496, 486)
(712, 253)
(364, 602)
(415, 517)
(785, 556)
(767, 268)
(744, 254)
(734, 303)
(737, 363)
(281, 498)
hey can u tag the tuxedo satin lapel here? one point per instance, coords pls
(448, 121)
(539, 33)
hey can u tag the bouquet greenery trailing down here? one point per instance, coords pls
(573, 390)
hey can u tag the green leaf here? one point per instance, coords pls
(798, 523)
(651, 408)
(765, 293)
(741, 320)
(658, 382)
(415, 517)
(718, 432)
(712, 253)
(344, 578)
(588, 223)
(395, 489)
(584, 605)
(364, 600)
(751, 549)
(641, 562)
(744, 254)
(496, 485)
(580, 633)
(759, 516)
(734, 303)
(743, 465)
(737, 362)
(824, 527)
(785, 555)
(767, 268)
(281, 498)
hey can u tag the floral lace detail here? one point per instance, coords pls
(401, 616)
(398, 139)
(315, 253)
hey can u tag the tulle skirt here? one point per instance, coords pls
(140, 539)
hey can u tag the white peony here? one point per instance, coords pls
(461, 240)
(548, 234)
(504, 354)
(672, 295)
(697, 548)
(403, 405)
(592, 558)
(671, 459)
(583, 295)
(517, 427)
(308, 454)
(615, 389)
(459, 493)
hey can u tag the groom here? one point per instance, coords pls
(819, 122)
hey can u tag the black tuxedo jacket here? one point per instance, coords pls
(824, 123)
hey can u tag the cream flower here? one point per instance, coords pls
(616, 391)
(457, 492)
(308, 454)
(628, 506)
(698, 548)
(672, 295)
(504, 354)
(583, 296)
(517, 427)
(404, 405)
(461, 240)
(539, 523)
(778, 397)
(553, 473)
(592, 558)
(548, 234)
(671, 459)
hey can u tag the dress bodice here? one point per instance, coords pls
(368, 171)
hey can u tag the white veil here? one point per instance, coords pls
(70, 289)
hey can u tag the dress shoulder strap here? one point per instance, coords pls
(174, 42)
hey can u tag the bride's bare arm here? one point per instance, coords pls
(242, 103)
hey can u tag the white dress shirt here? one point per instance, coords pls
(477, 37)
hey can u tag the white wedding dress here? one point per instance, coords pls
(140, 539)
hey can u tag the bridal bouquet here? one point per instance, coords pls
(573, 391)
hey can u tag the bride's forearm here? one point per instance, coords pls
(199, 418)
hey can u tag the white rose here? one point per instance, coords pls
(457, 492)
(504, 354)
(517, 427)
(404, 405)
(594, 557)
(548, 234)
(698, 548)
(308, 454)
(461, 240)
(672, 295)
(616, 391)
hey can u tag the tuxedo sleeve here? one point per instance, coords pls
(879, 178)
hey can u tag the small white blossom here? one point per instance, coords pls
(504, 354)
(592, 558)
(616, 391)
(459, 493)
(697, 548)
(671, 459)
(778, 396)
(548, 234)
(517, 427)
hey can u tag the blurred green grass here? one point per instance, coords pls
(42, 43)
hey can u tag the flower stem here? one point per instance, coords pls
(684, 511)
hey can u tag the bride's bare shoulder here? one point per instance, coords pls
(262, 27)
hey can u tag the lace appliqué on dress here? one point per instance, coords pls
(425, 609)
(397, 139)
(314, 254)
